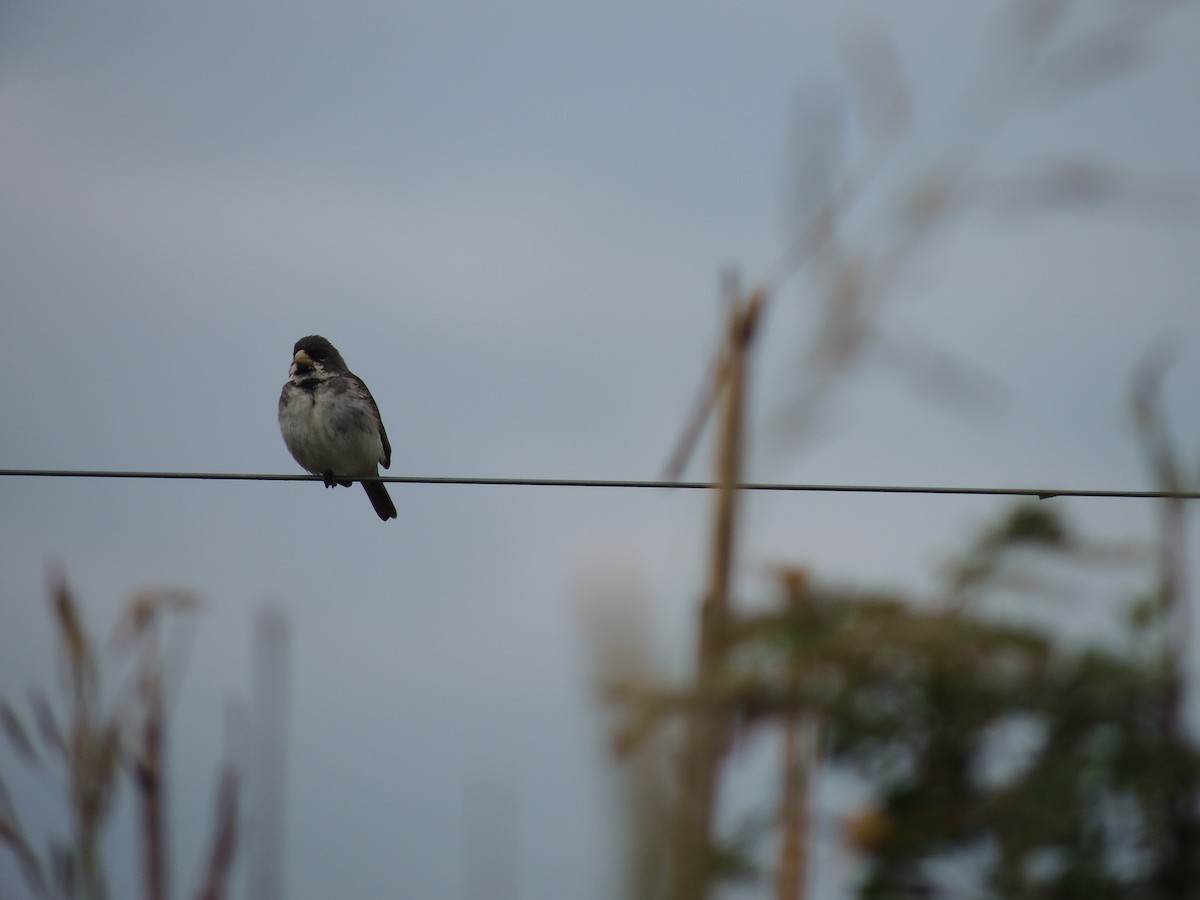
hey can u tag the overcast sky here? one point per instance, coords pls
(511, 218)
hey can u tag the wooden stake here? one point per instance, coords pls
(708, 738)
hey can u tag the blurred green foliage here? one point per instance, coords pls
(1053, 772)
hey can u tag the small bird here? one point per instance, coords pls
(330, 422)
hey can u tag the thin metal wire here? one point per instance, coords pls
(1040, 493)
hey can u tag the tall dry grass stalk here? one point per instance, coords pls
(708, 739)
(102, 739)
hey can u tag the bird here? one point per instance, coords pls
(330, 421)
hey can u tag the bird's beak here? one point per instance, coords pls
(302, 360)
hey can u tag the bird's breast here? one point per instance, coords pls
(327, 430)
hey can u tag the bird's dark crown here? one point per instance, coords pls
(323, 354)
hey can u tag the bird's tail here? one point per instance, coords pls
(377, 493)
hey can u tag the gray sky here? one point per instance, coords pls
(510, 219)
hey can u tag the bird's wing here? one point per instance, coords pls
(386, 459)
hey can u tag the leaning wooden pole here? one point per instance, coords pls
(708, 732)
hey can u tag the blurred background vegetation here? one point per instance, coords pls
(995, 757)
(997, 760)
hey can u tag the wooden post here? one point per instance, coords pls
(708, 733)
(801, 749)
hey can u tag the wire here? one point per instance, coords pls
(1040, 493)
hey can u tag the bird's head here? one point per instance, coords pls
(313, 356)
